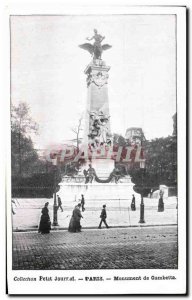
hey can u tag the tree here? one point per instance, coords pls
(161, 166)
(119, 140)
(23, 153)
(21, 120)
(161, 157)
(77, 129)
(31, 177)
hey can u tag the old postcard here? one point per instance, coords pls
(96, 183)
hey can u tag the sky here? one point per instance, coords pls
(47, 71)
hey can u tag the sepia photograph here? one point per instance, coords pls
(94, 174)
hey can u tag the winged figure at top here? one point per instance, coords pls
(96, 49)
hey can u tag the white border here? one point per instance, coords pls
(151, 287)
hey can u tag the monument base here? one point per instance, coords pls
(97, 194)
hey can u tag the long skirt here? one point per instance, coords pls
(45, 224)
(74, 225)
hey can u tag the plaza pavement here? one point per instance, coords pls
(28, 213)
(113, 248)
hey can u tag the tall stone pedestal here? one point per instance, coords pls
(97, 99)
(97, 133)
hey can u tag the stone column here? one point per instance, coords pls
(97, 115)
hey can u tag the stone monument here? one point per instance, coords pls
(98, 178)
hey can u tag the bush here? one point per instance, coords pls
(36, 186)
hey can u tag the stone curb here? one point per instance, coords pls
(57, 228)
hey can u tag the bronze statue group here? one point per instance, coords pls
(90, 176)
(96, 49)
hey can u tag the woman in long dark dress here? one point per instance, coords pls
(45, 224)
(72, 227)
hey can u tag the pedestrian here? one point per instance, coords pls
(161, 203)
(59, 203)
(12, 201)
(45, 223)
(103, 217)
(83, 202)
(75, 225)
(133, 207)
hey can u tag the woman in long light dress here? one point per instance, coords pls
(74, 224)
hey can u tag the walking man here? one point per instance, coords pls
(103, 217)
(59, 203)
(82, 202)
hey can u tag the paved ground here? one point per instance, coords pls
(28, 213)
(119, 248)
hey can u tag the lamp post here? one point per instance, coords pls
(55, 222)
(142, 167)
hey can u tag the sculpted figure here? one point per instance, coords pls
(103, 133)
(116, 174)
(91, 173)
(96, 49)
(98, 133)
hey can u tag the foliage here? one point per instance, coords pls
(21, 121)
(70, 168)
(161, 165)
(119, 140)
(31, 177)
(22, 150)
(35, 186)
(23, 155)
(161, 158)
